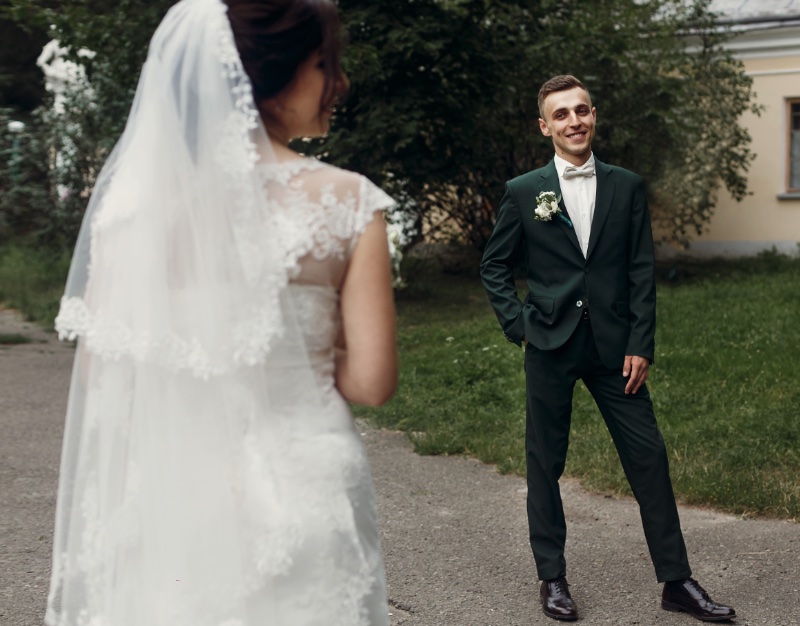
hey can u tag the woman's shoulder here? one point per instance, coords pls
(339, 175)
(284, 170)
(335, 184)
(354, 184)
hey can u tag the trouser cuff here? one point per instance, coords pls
(669, 576)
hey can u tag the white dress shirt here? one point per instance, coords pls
(579, 194)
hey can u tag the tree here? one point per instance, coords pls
(442, 108)
(443, 101)
(669, 97)
(21, 88)
(434, 111)
(92, 121)
(23, 182)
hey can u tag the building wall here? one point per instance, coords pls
(768, 217)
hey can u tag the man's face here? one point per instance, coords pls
(569, 119)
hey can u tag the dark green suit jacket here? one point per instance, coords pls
(616, 280)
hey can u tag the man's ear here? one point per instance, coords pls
(543, 127)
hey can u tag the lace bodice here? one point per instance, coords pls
(324, 210)
(318, 212)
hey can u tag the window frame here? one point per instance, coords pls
(790, 102)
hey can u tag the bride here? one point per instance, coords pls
(228, 297)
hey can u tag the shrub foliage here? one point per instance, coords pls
(442, 109)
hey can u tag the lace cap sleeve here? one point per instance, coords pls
(371, 199)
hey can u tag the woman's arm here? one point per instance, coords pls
(366, 369)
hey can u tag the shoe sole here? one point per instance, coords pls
(562, 618)
(677, 608)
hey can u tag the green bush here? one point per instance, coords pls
(26, 206)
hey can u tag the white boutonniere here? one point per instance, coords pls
(547, 207)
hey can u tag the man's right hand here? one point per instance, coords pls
(637, 367)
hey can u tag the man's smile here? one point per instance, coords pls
(579, 135)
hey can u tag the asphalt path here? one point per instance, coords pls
(454, 529)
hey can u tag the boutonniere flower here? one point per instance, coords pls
(547, 207)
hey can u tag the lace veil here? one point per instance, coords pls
(178, 287)
(177, 238)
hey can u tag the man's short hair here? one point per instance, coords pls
(559, 83)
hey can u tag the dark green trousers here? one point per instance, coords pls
(551, 376)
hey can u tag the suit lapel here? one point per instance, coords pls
(602, 204)
(550, 183)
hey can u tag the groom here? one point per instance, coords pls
(581, 229)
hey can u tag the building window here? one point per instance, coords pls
(793, 182)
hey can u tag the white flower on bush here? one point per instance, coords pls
(400, 228)
(396, 254)
(62, 75)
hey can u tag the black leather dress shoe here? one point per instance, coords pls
(556, 600)
(687, 595)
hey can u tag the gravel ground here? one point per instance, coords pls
(454, 530)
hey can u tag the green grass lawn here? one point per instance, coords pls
(32, 280)
(725, 384)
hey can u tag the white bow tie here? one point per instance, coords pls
(572, 171)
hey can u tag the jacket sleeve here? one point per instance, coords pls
(503, 253)
(641, 278)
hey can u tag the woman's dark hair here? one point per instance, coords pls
(274, 37)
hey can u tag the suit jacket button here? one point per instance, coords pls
(579, 303)
(585, 270)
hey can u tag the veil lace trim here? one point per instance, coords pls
(112, 339)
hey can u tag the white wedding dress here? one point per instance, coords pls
(211, 474)
(242, 498)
